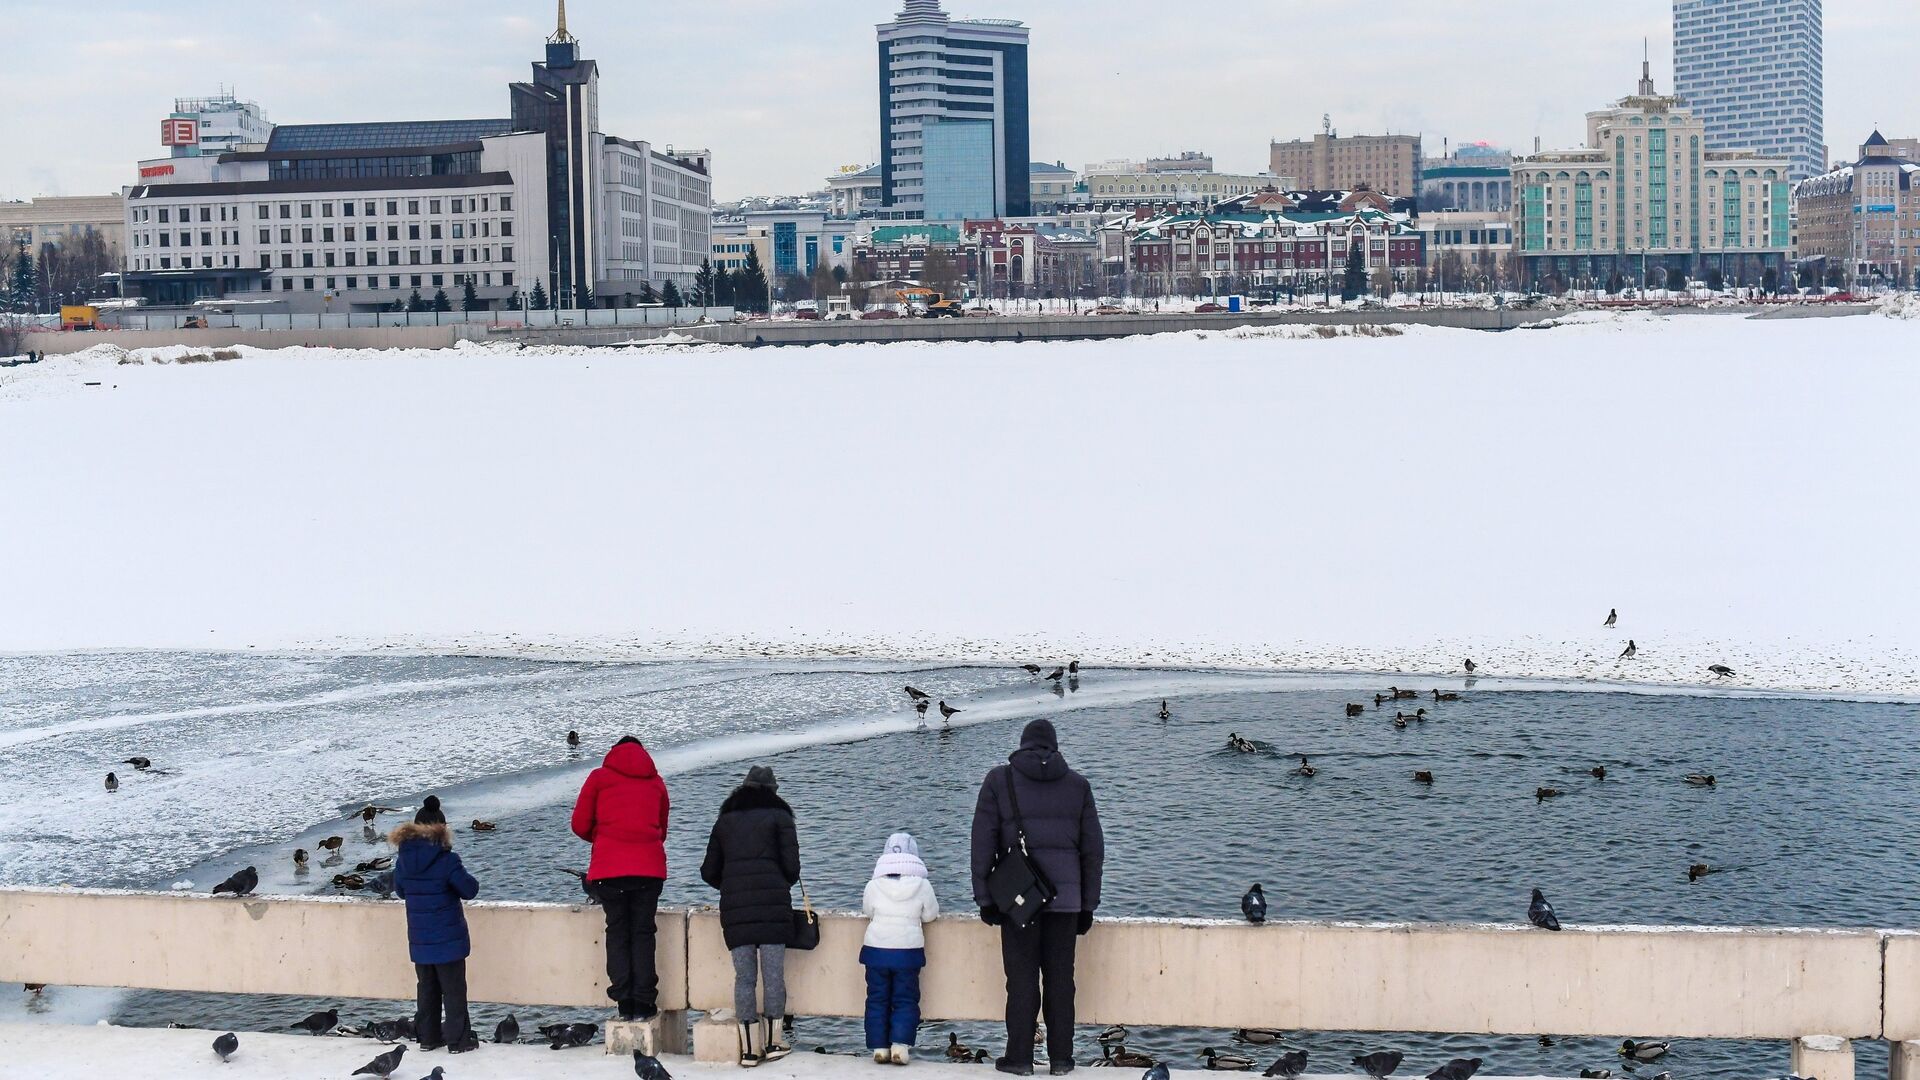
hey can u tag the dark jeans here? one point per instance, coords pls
(1043, 949)
(893, 1007)
(442, 988)
(630, 903)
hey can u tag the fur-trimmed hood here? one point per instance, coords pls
(439, 834)
(754, 797)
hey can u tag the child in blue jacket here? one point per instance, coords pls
(430, 878)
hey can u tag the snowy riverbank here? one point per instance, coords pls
(1738, 489)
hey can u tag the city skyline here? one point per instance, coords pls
(785, 93)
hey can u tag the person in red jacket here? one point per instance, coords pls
(622, 812)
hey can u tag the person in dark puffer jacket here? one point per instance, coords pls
(622, 811)
(433, 882)
(1064, 838)
(753, 858)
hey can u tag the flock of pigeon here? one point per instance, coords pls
(556, 1036)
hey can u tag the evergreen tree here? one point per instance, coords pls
(440, 301)
(1715, 279)
(670, 295)
(647, 295)
(516, 302)
(1353, 283)
(703, 285)
(469, 299)
(1770, 281)
(1676, 279)
(539, 300)
(584, 298)
(723, 288)
(414, 303)
(750, 291)
(21, 291)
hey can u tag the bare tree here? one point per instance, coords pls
(939, 272)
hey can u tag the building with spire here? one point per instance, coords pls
(953, 116)
(1647, 196)
(1860, 223)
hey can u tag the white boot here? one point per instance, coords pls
(775, 1047)
(902, 1053)
(749, 1058)
(882, 1057)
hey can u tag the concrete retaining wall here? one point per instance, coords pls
(1701, 983)
(382, 337)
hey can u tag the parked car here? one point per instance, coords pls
(812, 314)
(880, 313)
(1109, 309)
(1209, 308)
(979, 312)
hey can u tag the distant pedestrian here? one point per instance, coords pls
(622, 811)
(899, 901)
(433, 882)
(753, 858)
(1056, 817)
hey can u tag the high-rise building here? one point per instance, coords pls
(1752, 71)
(953, 116)
(1333, 162)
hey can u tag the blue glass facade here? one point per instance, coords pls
(786, 248)
(959, 169)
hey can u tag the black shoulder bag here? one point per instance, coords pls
(1016, 883)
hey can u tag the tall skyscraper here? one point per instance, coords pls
(1753, 70)
(953, 116)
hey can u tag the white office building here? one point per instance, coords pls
(953, 116)
(1752, 70)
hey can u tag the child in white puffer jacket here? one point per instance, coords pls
(899, 901)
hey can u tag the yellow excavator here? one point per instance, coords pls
(928, 303)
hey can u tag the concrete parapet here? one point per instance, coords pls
(1823, 1057)
(382, 337)
(1903, 1061)
(665, 1033)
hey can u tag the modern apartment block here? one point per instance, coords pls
(1647, 195)
(1863, 219)
(953, 116)
(1752, 72)
(1333, 162)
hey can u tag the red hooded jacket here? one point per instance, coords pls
(622, 812)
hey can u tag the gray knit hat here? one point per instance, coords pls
(762, 776)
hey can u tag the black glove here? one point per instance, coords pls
(991, 915)
(1085, 924)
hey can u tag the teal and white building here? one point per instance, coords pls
(1647, 195)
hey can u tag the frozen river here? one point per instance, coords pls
(1808, 825)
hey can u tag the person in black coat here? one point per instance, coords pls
(753, 858)
(1063, 837)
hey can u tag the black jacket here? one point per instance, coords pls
(1063, 828)
(753, 858)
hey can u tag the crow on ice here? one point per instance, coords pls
(947, 711)
(1613, 616)
(1471, 666)
(113, 782)
(573, 738)
(1721, 670)
(1628, 652)
(139, 764)
(917, 695)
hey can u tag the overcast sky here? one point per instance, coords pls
(784, 91)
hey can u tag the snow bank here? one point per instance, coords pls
(1739, 490)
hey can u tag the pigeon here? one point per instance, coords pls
(1700, 779)
(917, 695)
(386, 1030)
(1073, 667)
(1598, 772)
(1471, 666)
(1218, 1062)
(299, 858)
(113, 782)
(1379, 1064)
(1457, 1069)
(225, 1045)
(1613, 616)
(1254, 905)
(139, 764)
(331, 843)
(947, 711)
(1540, 913)
(1056, 674)
(438, 1073)
(1164, 711)
(384, 1064)
(573, 738)
(1627, 653)
(1721, 670)
(374, 865)
(1288, 1065)
(1644, 1050)
(1423, 777)
(551, 1031)
(240, 884)
(1542, 794)
(319, 1023)
(647, 1067)
(508, 1030)
(1158, 1072)
(483, 826)
(572, 1035)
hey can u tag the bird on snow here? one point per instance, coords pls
(947, 712)
(1056, 674)
(1457, 1069)
(483, 826)
(574, 1035)
(1700, 779)
(1254, 904)
(240, 884)
(1697, 871)
(225, 1045)
(1356, 710)
(1598, 772)
(113, 782)
(508, 1030)
(1288, 1065)
(1542, 794)
(1218, 1062)
(648, 1067)
(1164, 711)
(374, 865)
(1628, 652)
(1540, 913)
(389, 1031)
(1721, 670)
(1305, 769)
(139, 764)
(1613, 616)
(1423, 777)
(438, 1073)
(1379, 1064)
(1470, 665)
(331, 843)
(573, 738)
(1644, 1050)
(318, 1023)
(1158, 1072)
(914, 694)
(384, 1064)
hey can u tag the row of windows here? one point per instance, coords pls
(482, 204)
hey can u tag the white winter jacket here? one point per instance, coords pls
(896, 908)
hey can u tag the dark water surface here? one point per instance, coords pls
(1810, 822)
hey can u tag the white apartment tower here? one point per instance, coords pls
(1752, 70)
